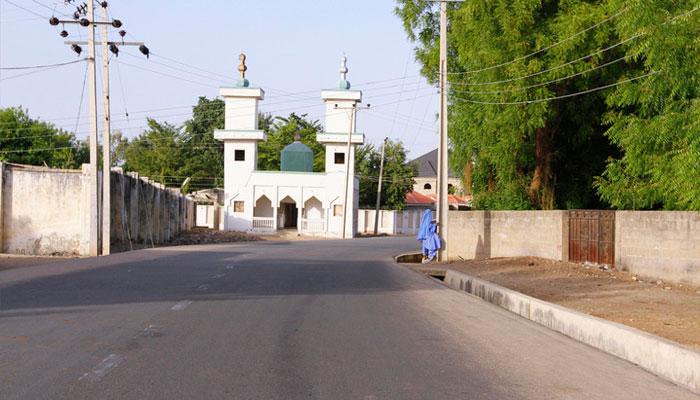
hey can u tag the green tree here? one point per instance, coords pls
(157, 153)
(397, 179)
(203, 155)
(656, 121)
(281, 132)
(530, 155)
(25, 140)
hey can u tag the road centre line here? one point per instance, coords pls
(181, 305)
(103, 368)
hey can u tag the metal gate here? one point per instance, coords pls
(592, 236)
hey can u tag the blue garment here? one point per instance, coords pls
(432, 243)
(425, 223)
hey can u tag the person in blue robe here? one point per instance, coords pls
(427, 235)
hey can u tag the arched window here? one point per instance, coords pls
(427, 186)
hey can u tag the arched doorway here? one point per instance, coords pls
(288, 213)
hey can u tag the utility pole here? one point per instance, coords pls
(87, 9)
(92, 95)
(379, 189)
(106, 143)
(442, 203)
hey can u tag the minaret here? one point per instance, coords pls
(240, 136)
(341, 104)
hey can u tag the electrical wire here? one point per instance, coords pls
(559, 97)
(550, 69)
(608, 19)
(82, 94)
(43, 66)
(27, 10)
(523, 88)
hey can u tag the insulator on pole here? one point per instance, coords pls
(103, 4)
(145, 51)
(122, 33)
(85, 22)
(117, 23)
(76, 48)
(54, 21)
(64, 33)
(114, 49)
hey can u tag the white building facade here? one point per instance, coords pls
(267, 201)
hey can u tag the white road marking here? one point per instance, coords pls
(230, 267)
(103, 368)
(181, 305)
(217, 276)
(202, 288)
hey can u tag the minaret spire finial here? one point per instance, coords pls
(344, 84)
(343, 67)
(242, 68)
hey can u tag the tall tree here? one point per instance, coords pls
(397, 179)
(25, 140)
(528, 154)
(157, 153)
(656, 121)
(281, 132)
(204, 155)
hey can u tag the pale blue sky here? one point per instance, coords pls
(292, 47)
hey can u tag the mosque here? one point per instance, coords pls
(295, 197)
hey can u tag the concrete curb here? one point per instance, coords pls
(657, 355)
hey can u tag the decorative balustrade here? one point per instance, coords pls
(312, 225)
(263, 224)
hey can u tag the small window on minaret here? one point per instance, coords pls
(340, 158)
(239, 155)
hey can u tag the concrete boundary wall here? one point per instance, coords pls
(670, 360)
(487, 234)
(146, 213)
(659, 244)
(655, 244)
(44, 211)
(391, 222)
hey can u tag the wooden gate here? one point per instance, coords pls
(592, 236)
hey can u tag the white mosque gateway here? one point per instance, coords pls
(295, 197)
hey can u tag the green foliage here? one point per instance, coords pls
(656, 122)
(281, 132)
(157, 153)
(204, 155)
(552, 154)
(170, 154)
(397, 179)
(24, 140)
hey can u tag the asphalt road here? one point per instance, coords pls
(282, 320)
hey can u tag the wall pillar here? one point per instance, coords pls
(300, 210)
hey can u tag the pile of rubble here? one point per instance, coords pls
(208, 236)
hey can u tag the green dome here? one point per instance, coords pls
(297, 157)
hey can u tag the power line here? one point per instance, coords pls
(27, 10)
(295, 107)
(610, 18)
(553, 68)
(523, 88)
(559, 97)
(44, 66)
(82, 94)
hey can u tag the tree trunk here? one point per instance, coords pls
(541, 191)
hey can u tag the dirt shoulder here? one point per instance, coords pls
(668, 310)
